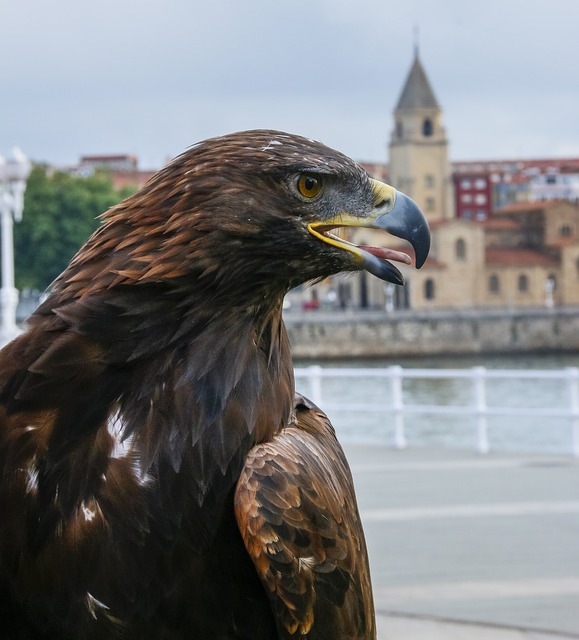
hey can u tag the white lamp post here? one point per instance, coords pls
(549, 288)
(13, 175)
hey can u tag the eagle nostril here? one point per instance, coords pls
(383, 204)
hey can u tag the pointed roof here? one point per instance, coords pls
(417, 92)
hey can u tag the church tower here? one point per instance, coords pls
(419, 164)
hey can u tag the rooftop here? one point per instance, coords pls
(417, 92)
(539, 205)
(513, 257)
(500, 224)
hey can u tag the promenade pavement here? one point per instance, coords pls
(464, 546)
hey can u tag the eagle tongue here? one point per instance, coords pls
(387, 254)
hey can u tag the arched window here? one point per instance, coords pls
(427, 127)
(399, 130)
(460, 249)
(565, 231)
(429, 289)
(523, 283)
(494, 284)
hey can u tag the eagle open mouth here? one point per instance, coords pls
(402, 219)
(380, 252)
(373, 259)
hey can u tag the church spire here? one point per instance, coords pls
(417, 92)
(416, 41)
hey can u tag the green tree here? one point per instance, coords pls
(60, 212)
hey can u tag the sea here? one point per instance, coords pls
(374, 422)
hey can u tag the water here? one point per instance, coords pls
(538, 435)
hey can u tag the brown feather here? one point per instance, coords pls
(297, 512)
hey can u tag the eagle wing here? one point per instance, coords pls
(297, 513)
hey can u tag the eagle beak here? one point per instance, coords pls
(403, 219)
(391, 211)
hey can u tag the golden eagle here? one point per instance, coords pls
(159, 477)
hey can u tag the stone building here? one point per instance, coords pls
(535, 257)
(419, 160)
(526, 254)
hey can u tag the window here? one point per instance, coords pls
(399, 130)
(494, 284)
(429, 289)
(523, 283)
(429, 181)
(480, 183)
(565, 231)
(460, 249)
(430, 204)
(466, 198)
(480, 198)
(467, 215)
(427, 127)
(465, 184)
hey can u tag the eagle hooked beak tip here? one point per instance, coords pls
(402, 218)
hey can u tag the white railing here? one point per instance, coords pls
(479, 409)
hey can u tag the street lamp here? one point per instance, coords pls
(13, 175)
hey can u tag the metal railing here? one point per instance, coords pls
(479, 409)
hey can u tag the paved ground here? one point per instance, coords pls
(464, 546)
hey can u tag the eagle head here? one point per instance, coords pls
(249, 212)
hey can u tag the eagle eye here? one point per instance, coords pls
(308, 186)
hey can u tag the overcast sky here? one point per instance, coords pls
(151, 78)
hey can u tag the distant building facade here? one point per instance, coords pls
(504, 233)
(482, 187)
(120, 162)
(473, 195)
(123, 169)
